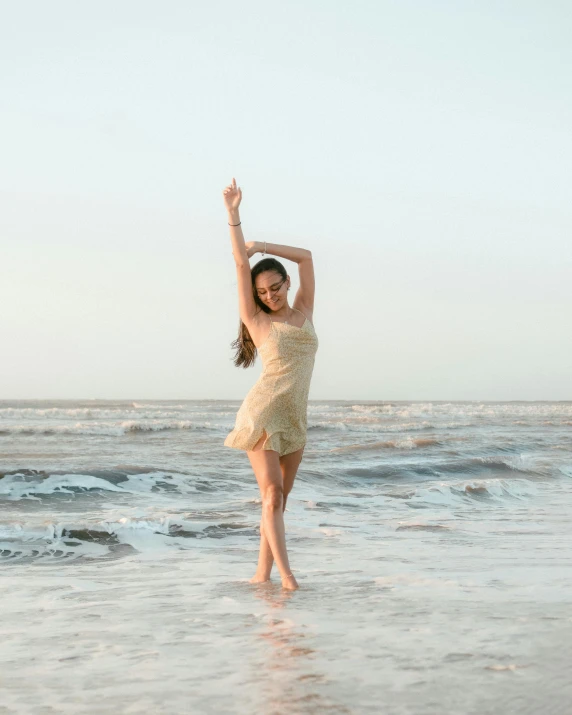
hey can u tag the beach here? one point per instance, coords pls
(431, 541)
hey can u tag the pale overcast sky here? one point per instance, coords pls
(420, 150)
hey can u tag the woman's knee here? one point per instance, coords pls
(273, 497)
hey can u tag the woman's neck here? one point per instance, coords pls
(285, 313)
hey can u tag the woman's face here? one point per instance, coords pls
(272, 289)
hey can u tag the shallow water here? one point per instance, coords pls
(431, 542)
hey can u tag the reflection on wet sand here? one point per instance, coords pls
(289, 674)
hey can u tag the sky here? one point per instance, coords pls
(421, 151)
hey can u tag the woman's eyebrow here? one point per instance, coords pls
(272, 286)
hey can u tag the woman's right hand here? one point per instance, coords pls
(232, 195)
(252, 247)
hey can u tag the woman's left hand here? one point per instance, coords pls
(251, 248)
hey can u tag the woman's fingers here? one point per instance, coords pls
(231, 187)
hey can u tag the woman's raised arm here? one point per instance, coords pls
(232, 195)
(247, 307)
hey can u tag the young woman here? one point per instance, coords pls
(272, 421)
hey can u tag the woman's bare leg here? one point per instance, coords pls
(269, 477)
(289, 464)
(265, 558)
(288, 468)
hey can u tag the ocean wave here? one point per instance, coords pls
(478, 409)
(405, 443)
(152, 406)
(31, 484)
(67, 413)
(14, 487)
(97, 539)
(116, 429)
(452, 493)
(404, 469)
(383, 408)
(367, 426)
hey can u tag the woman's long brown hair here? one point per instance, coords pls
(245, 348)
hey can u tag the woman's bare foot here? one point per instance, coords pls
(259, 578)
(289, 583)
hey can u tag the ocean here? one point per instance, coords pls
(431, 541)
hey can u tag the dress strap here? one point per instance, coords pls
(312, 324)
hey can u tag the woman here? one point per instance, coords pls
(272, 421)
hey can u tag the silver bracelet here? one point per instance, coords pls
(264, 251)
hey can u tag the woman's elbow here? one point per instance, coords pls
(241, 260)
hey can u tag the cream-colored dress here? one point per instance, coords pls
(278, 401)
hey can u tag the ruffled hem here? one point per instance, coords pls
(246, 440)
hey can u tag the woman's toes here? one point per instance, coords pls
(259, 579)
